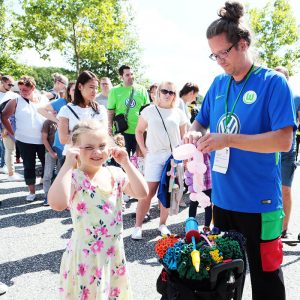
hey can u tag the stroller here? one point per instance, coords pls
(225, 283)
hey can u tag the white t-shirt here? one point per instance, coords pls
(85, 113)
(157, 140)
(184, 108)
(29, 122)
(7, 96)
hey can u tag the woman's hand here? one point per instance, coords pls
(120, 155)
(72, 157)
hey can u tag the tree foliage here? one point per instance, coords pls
(87, 32)
(8, 66)
(277, 35)
(43, 76)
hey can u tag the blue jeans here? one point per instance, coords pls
(2, 153)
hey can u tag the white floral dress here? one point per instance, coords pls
(93, 265)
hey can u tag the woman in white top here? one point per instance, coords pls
(83, 107)
(28, 128)
(157, 148)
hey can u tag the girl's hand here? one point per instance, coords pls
(72, 157)
(120, 155)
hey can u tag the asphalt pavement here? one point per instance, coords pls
(33, 238)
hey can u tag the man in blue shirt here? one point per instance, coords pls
(251, 118)
(288, 167)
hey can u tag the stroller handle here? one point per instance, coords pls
(216, 270)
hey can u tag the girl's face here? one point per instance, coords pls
(89, 90)
(94, 148)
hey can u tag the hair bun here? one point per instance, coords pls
(232, 11)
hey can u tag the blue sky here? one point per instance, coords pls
(172, 35)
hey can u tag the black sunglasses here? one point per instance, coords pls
(11, 85)
(165, 92)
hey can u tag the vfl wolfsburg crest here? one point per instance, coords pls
(249, 97)
(233, 126)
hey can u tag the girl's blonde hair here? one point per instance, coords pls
(165, 83)
(86, 126)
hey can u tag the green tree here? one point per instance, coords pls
(43, 76)
(2, 26)
(84, 31)
(277, 35)
(8, 66)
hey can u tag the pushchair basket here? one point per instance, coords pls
(225, 283)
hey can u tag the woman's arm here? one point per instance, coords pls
(183, 130)
(139, 134)
(63, 130)
(9, 110)
(48, 112)
(62, 189)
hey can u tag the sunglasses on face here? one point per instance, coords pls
(165, 92)
(10, 84)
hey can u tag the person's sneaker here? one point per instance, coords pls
(137, 233)
(30, 197)
(182, 203)
(126, 198)
(45, 202)
(3, 170)
(288, 238)
(3, 288)
(164, 230)
(15, 178)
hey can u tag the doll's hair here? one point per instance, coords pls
(87, 126)
(119, 140)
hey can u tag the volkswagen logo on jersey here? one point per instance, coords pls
(249, 97)
(132, 103)
(233, 127)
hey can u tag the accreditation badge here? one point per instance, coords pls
(221, 161)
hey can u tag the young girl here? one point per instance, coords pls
(93, 265)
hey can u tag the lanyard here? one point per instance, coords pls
(229, 115)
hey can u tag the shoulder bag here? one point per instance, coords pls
(120, 122)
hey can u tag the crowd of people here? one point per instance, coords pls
(246, 129)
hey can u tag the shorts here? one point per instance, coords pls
(288, 167)
(154, 164)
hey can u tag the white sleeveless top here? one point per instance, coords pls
(29, 122)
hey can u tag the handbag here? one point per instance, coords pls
(120, 122)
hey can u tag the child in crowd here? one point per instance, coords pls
(207, 191)
(51, 159)
(93, 265)
(138, 159)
